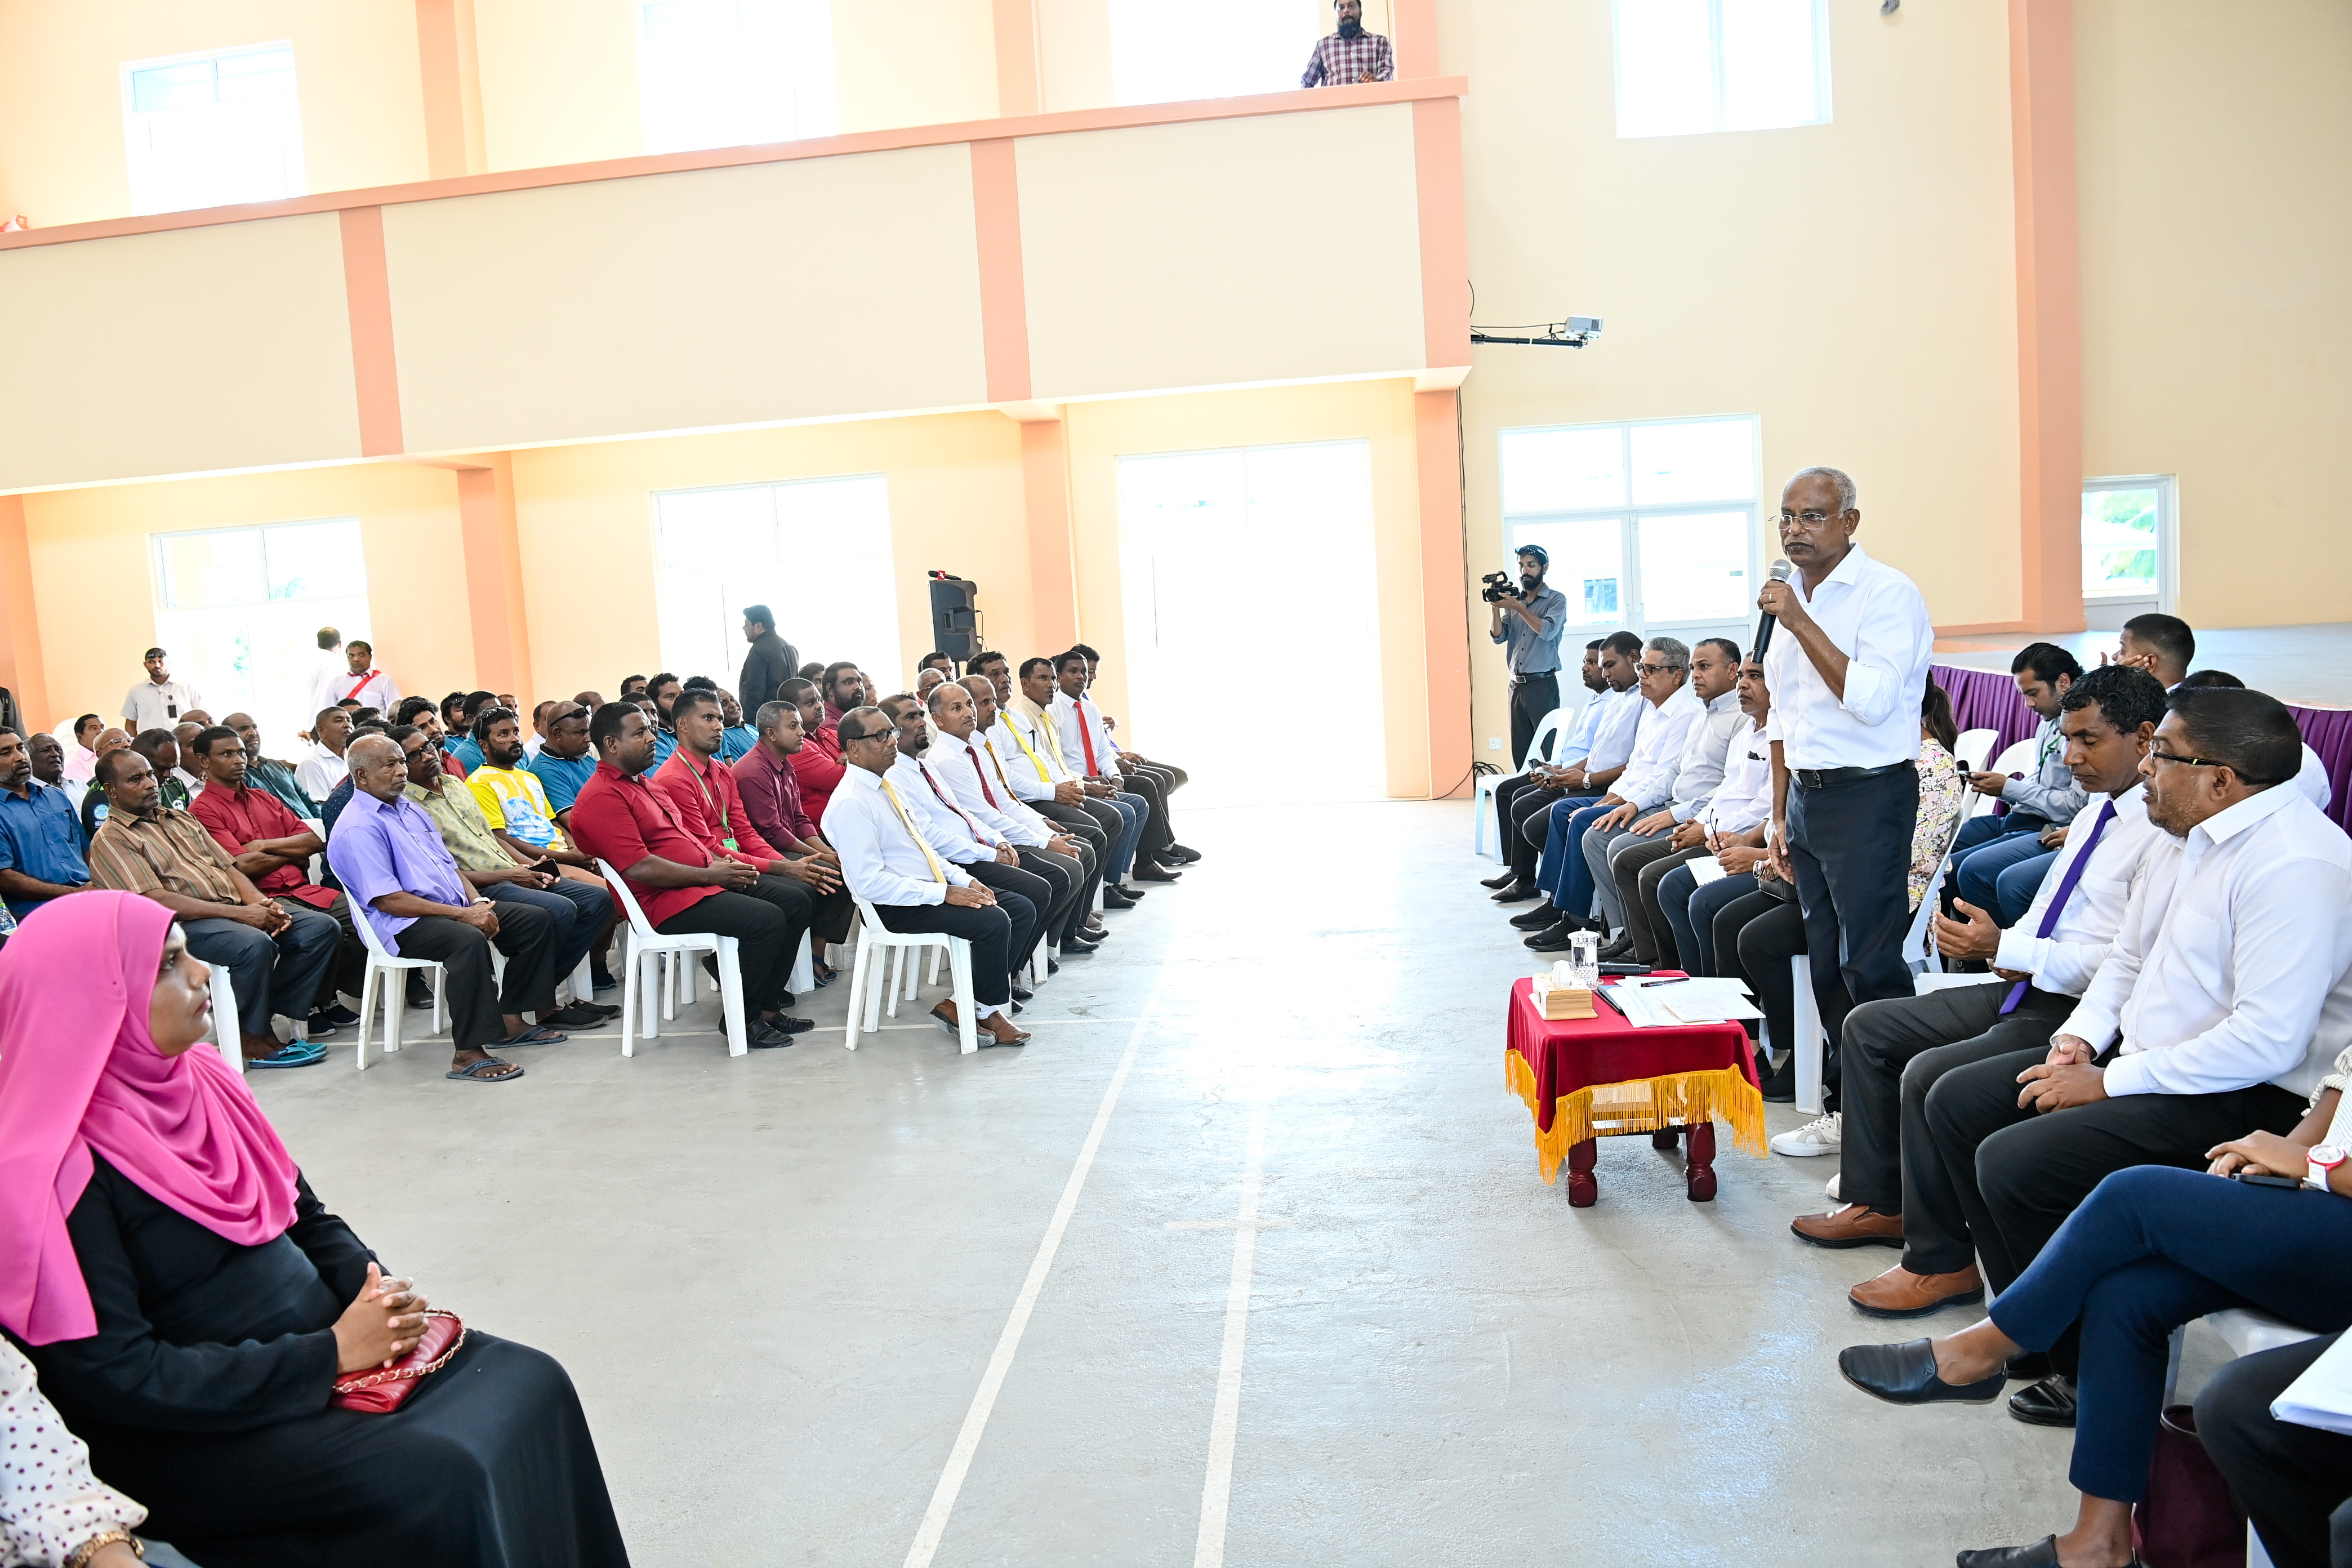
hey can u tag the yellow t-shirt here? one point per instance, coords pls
(514, 803)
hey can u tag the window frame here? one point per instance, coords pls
(138, 148)
(1823, 100)
(2168, 540)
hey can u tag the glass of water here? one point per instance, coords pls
(1584, 958)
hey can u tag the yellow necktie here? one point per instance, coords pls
(1034, 759)
(908, 824)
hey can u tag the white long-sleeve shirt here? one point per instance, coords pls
(2239, 970)
(371, 687)
(1875, 615)
(977, 779)
(50, 1503)
(2131, 850)
(1707, 751)
(951, 832)
(1648, 780)
(1078, 723)
(1744, 799)
(881, 858)
(1613, 734)
(1032, 762)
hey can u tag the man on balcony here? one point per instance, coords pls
(1350, 55)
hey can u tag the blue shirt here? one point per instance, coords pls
(279, 781)
(41, 837)
(466, 752)
(736, 743)
(1529, 652)
(560, 776)
(665, 743)
(382, 846)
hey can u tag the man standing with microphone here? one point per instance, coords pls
(1528, 624)
(1846, 670)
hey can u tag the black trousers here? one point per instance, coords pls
(1849, 847)
(1893, 1053)
(350, 970)
(1755, 936)
(990, 931)
(1099, 832)
(1027, 900)
(767, 923)
(2293, 1480)
(1531, 826)
(1635, 865)
(1158, 835)
(268, 975)
(525, 936)
(2008, 1178)
(1508, 795)
(1531, 699)
(1075, 876)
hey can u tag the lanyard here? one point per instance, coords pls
(907, 823)
(725, 828)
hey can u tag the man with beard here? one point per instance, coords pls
(1034, 773)
(268, 772)
(977, 783)
(1350, 55)
(1029, 721)
(1527, 625)
(564, 766)
(515, 807)
(40, 842)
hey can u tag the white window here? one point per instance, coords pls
(1212, 49)
(817, 551)
(206, 130)
(2129, 530)
(1651, 527)
(239, 609)
(1213, 550)
(1685, 67)
(728, 73)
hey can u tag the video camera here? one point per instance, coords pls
(1500, 586)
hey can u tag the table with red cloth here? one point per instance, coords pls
(1585, 1079)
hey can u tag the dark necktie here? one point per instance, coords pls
(2065, 890)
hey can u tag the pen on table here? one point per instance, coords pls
(1601, 994)
(1678, 980)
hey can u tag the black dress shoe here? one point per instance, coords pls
(2029, 1366)
(1157, 873)
(1132, 895)
(763, 1035)
(1182, 854)
(1519, 893)
(1021, 995)
(1073, 948)
(1553, 939)
(1505, 881)
(2050, 1403)
(1616, 952)
(1537, 918)
(2042, 1553)
(1119, 898)
(1781, 1087)
(1054, 966)
(1905, 1374)
(785, 998)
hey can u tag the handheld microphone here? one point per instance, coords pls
(1781, 572)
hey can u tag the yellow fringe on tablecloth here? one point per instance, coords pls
(1640, 1105)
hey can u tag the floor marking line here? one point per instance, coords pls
(1217, 1489)
(983, 1400)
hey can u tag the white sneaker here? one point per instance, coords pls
(1819, 1136)
(1833, 1185)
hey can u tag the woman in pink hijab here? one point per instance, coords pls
(189, 1303)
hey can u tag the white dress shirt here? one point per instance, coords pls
(1032, 762)
(148, 706)
(881, 859)
(952, 833)
(1577, 743)
(2238, 969)
(2131, 850)
(320, 771)
(2312, 779)
(1613, 734)
(1875, 615)
(1706, 752)
(371, 687)
(978, 782)
(1648, 780)
(1078, 723)
(1744, 799)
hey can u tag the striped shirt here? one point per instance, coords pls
(169, 853)
(1337, 61)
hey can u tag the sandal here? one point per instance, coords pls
(537, 1035)
(301, 1054)
(476, 1072)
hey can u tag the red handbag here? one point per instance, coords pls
(2188, 1519)
(380, 1391)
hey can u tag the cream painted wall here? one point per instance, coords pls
(61, 151)
(914, 62)
(1379, 411)
(408, 523)
(558, 80)
(1852, 283)
(2215, 146)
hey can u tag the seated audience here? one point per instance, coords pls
(661, 692)
(277, 954)
(537, 737)
(195, 1302)
(93, 800)
(926, 682)
(268, 772)
(772, 799)
(461, 745)
(1078, 730)
(997, 742)
(975, 780)
(961, 840)
(817, 765)
(322, 767)
(1038, 779)
(48, 755)
(1989, 847)
(812, 671)
(679, 884)
(2198, 1023)
(340, 795)
(514, 806)
(1576, 734)
(632, 688)
(2150, 1249)
(887, 861)
(2162, 645)
(1121, 815)
(81, 757)
(41, 841)
(1895, 1051)
(184, 736)
(564, 763)
(1135, 764)
(1584, 765)
(2312, 778)
(942, 662)
(273, 847)
(768, 663)
(389, 856)
(1724, 829)
(420, 712)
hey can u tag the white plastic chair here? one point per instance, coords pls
(1806, 1050)
(2014, 760)
(387, 975)
(1972, 748)
(869, 985)
(1483, 788)
(227, 1034)
(648, 948)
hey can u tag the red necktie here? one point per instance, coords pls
(1087, 737)
(951, 806)
(973, 752)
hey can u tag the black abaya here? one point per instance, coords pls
(205, 1395)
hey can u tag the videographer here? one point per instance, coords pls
(1526, 621)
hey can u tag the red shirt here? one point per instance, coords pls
(456, 770)
(622, 820)
(818, 767)
(771, 794)
(239, 818)
(712, 807)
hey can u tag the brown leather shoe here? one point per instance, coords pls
(1856, 1224)
(1899, 1293)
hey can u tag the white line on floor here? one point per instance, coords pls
(1008, 1343)
(1216, 1492)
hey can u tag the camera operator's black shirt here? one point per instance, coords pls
(1535, 653)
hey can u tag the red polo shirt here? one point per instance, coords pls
(239, 818)
(818, 767)
(622, 819)
(712, 808)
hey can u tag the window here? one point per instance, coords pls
(1212, 48)
(204, 130)
(1215, 549)
(1650, 526)
(817, 551)
(1689, 66)
(2128, 547)
(239, 609)
(726, 73)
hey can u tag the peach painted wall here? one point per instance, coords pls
(61, 151)
(1852, 284)
(90, 642)
(2215, 146)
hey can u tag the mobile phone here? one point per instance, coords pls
(2264, 1179)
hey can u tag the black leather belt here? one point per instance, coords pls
(1824, 778)
(1539, 675)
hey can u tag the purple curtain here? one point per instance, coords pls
(1986, 700)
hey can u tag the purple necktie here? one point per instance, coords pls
(2066, 891)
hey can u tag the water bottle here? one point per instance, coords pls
(1584, 958)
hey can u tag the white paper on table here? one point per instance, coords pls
(2322, 1396)
(1698, 1000)
(1707, 869)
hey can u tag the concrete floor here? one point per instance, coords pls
(779, 1281)
(2310, 665)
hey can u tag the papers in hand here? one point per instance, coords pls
(1671, 1003)
(2322, 1396)
(1705, 869)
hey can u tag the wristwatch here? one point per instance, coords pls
(2324, 1161)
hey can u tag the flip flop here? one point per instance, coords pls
(297, 1055)
(478, 1072)
(537, 1035)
